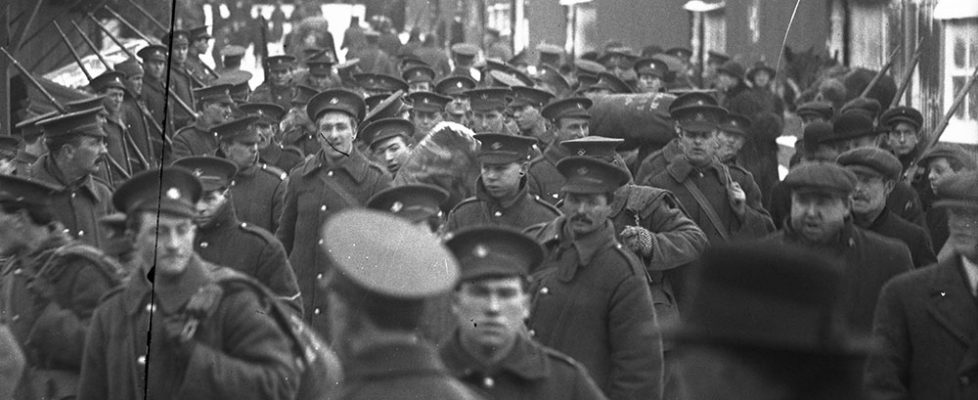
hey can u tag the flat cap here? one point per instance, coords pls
(302, 94)
(9, 146)
(600, 147)
(873, 160)
(959, 190)
(822, 177)
(863, 105)
(237, 130)
(498, 148)
(170, 190)
(336, 100)
(491, 252)
(198, 33)
(385, 128)
(524, 95)
(590, 175)
(454, 85)
(380, 82)
(153, 52)
(266, 112)
(550, 49)
(589, 67)
(108, 79)
(427, 101)
(617, 57)
(651, 66)
(732, 68)
(214, 94)
(414, 202)
(233, 51)
(129, 68)
(735, 123)
(281, 62)
(214, 173)
(611, 83)
(679, 52)
(822, 109)
(851, 125)
(486, 99)
(418, 73)
(674, 63)
(14, 189)
(950, 151)
(465, 50)
(817, 133)
(85, 122)
(573, 107)
(761, 66)
(899, 114)
(695, 118)
(386, 256)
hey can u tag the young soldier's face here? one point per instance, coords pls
(424, 121)
(166, 241)
(490, 312)
(487, 121)
(243, 153)
(699, 147)
(572, 128)
(391, 153)
(336, 134)
(502, 180)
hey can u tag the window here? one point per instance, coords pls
(960, 60)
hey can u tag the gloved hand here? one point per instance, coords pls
(638, 240)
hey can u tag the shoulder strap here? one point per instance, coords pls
(340, 191)
(109, 268)
(707, 208)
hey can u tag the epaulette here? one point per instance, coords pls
(741, 169)
(633, 262)
(257, 231)
(549, 206)
(274, 171)
(536, 160)
(534, 230)
(464, 201)
(562, 358)
(292, 149)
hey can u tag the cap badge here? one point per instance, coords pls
(582, 171)
(197, 172)
(496, 145)
(581, 152)
(458, 84)
(397, 206)
(700, 117)
(334, 100)
(480, 251)
(173, 193)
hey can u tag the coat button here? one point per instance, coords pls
(81, 233)
(322, 208)
(330, 173)
(73, 194)
(15, 318)
(488, 382)
(320, 241)
(498, 213)
(204, 245)
(141, 360)
(544, 290)
(554, 195)
(532, 333)
(319, 277)
(316, 311)
(965, 381)
(18, 271)
(150, 307)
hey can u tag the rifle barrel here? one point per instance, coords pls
(111, 36)
(882, 71)
(33, 80)
(148, 16)
(74, 54)
(128, 24)
(91, 46)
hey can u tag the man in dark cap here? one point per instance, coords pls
(714, 59)
(205, 342)
(258, 188)
(463, 59)
(820, 220)
(549, 54)
(199, 139)
(723, 200)
(651, 75)
(8, 151)
(733, 132)
(550, 79)
(730, 82)
(137, 117)
(501, 195)
(320, 72)
(651, 223)
(373, 59)
(270, 149)
(297, 130)
(902, 125)
(488, 350)
(815, 111)
(427, 110)
(49, 286)
(154, 80)
(76, 147)
(525, 107)
(277, 88)
(942, 161)
(455, 87)
(32, 144)
(383, 275)
(419, 78)
(390, 141)
(489, 110)
(379, 84)
(118, 140)
(735, 345)
(926, 318)
(877, 172)
(591, 297)
(181, 82)
(854, 130)
(657, 161)
(231, 56)
(199, 42)
(338, 176)
(569, 119)
(419, 203)
(224, 239)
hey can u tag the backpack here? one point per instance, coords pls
(319, 368)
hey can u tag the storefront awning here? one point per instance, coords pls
(956, 9)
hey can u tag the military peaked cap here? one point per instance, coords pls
(590, 175)
(414, 202)
(336, 100)
(170, 190)
(386, 128)
(574, 107)
(214, 173)
(497, 148)
(491, 252)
